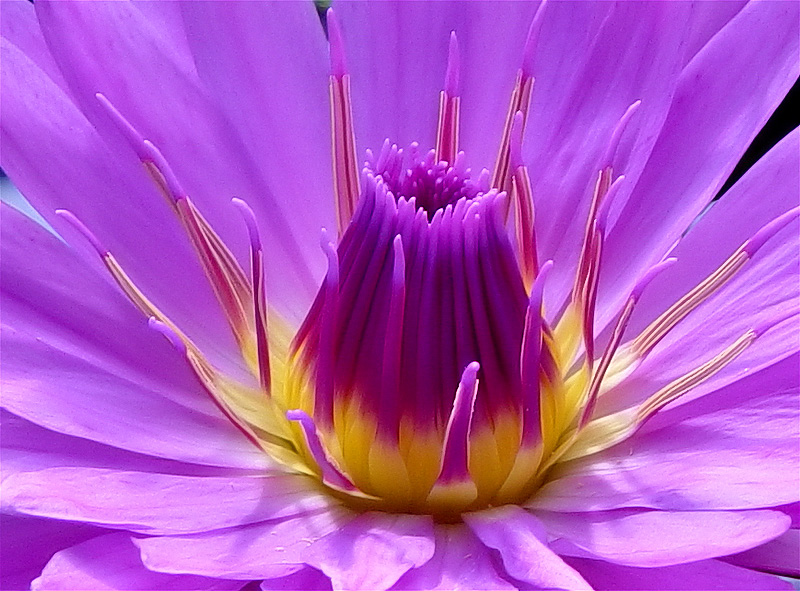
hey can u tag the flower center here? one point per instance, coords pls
(427, 284)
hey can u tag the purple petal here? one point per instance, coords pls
(706, 574)
(763, 291)
(146, 503)
(734, 449)
(780, 556)
(112, 562)
(706, 132)
(29, 543)
(460, 562)
(708, 19)
(258, 551)
(521, 541)
(58, 160)
(374, 550)
(144, 73)
(27, 447)
(663, 538)
(302, 580)
(95, 370)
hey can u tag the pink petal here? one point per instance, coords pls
(146, 502)
(705, 575)
(780, 556)
(663, 538)
(95, 370)
(706, 132)
(115, 49)
(27, 447)
(374, 550)
(258, 551)
(460, 562)
(521, 541)
(29, 543)
(734, 449)
(112, 562)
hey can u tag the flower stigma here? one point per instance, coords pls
(429, 375)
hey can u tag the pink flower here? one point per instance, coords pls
(528, 377)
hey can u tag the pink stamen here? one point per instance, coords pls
(161, 328)
(337, 53)
(152, 158)
(455, 456)
(449, 107)
(343, 141)
(452, 74)
(532, 41)
(769, 230)
(331, 475)
(260, 310)
(86, 232)
(524, 222)
(607, 159)
(531, 360)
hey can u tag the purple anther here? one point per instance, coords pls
(330, 473)
(616, 135)
(338, 63)
(452, 75)
(86, 232)
(160, 327)
(515, 146)
(532, 40)
(455, 456)
(649, 275)
(769, 230)
(250, 220)
(133, 137)
(605, 205)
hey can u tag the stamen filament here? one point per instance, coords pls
(343, 141)
(524, 218)
(449, 107)
(260, 311)
(331, 475)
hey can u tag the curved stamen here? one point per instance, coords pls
(331, 475)
(449, 107)
(343, 141)
(260, 311)
(523, 193)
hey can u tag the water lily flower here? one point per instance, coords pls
(278, 350)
